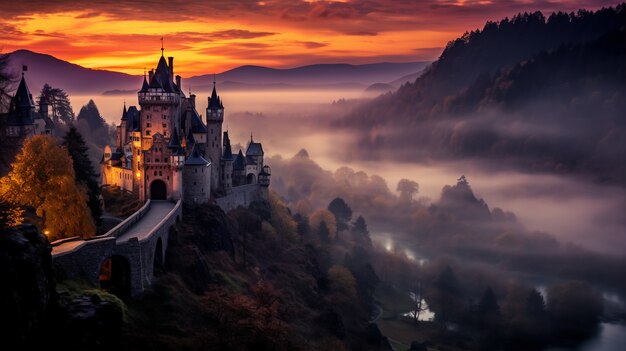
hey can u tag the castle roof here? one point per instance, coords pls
(190, 139)
(214, 100)
(228, 151)
(196, 122)
(133, 117)
(144, 86)
(240, 163)
(195, 159)
(174, 140)
(254, 149)
(22, 107)
(124, 113)
(162, 77)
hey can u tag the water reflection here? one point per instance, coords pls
(425, 315)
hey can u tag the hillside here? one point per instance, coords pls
(321, 74)
(72, 78)
(501, 93)
(76, 79)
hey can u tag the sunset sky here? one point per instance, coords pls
(213, 36)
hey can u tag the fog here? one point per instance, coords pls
(573, 209)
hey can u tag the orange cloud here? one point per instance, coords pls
(223, 34)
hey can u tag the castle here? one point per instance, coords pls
(165, 151)
(23, 120)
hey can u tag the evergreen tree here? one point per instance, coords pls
(323, 232)
(360, 233)
(84, 171)
(342, 212)
(59, 102)
(90, 114)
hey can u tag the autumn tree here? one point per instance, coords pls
(281, 218)
(43, 178)
(407, 189)
(325, 216)
(342, 284)
(342, 212)
(86, 176)
(59, 102)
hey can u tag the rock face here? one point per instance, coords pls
(26, 284)
(92, 320)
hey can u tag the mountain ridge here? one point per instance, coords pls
(76, 79)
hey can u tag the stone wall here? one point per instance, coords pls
(242, 196)
(86, 259)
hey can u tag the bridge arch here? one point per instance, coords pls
(158, 190)
(158, 258)
(115, 275)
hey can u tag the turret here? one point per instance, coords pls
(214, 119)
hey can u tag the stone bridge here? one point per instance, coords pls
(124, 259)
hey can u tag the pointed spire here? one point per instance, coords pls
(174, 140)
(162, 50)
(125, 112)
(214, 101)
(251, 140)
(23, 97)
(228, 151)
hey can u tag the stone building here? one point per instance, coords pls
(166, 151)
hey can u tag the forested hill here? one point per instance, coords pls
(517, 86)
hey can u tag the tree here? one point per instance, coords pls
(574, 307)
(90, 114)
(407, 188)
(281, 219)
(43, 178)
(84, 171)
(488, 308)
(342, 283)
(444, 298)
(323, 233)
(360, 233)
(323, 216)
(418, 302)
(342, 212)
(59, 102)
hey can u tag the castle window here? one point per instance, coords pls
(165, 133)
(148, 116)
(160, 173)
(164, 124)
(155, 173)
(148, 125)
(147, 132)
(166, 159)
(156, 160)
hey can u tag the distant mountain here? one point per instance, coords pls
(313, 75)
(543, 94)
(72, 78)
(76, 79)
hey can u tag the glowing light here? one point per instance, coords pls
(46, 232)
(138, 175)
(389, 245)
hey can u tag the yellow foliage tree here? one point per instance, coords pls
(323, 215)
(281, 218)
(342, 283)
(42, 177)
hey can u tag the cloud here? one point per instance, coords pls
(237, 34)
(312, 44)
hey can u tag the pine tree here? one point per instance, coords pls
(84, 171)
(60, 105)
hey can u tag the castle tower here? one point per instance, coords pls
(214, 119)
(227, 165)
(197, 178)
(160, 100)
